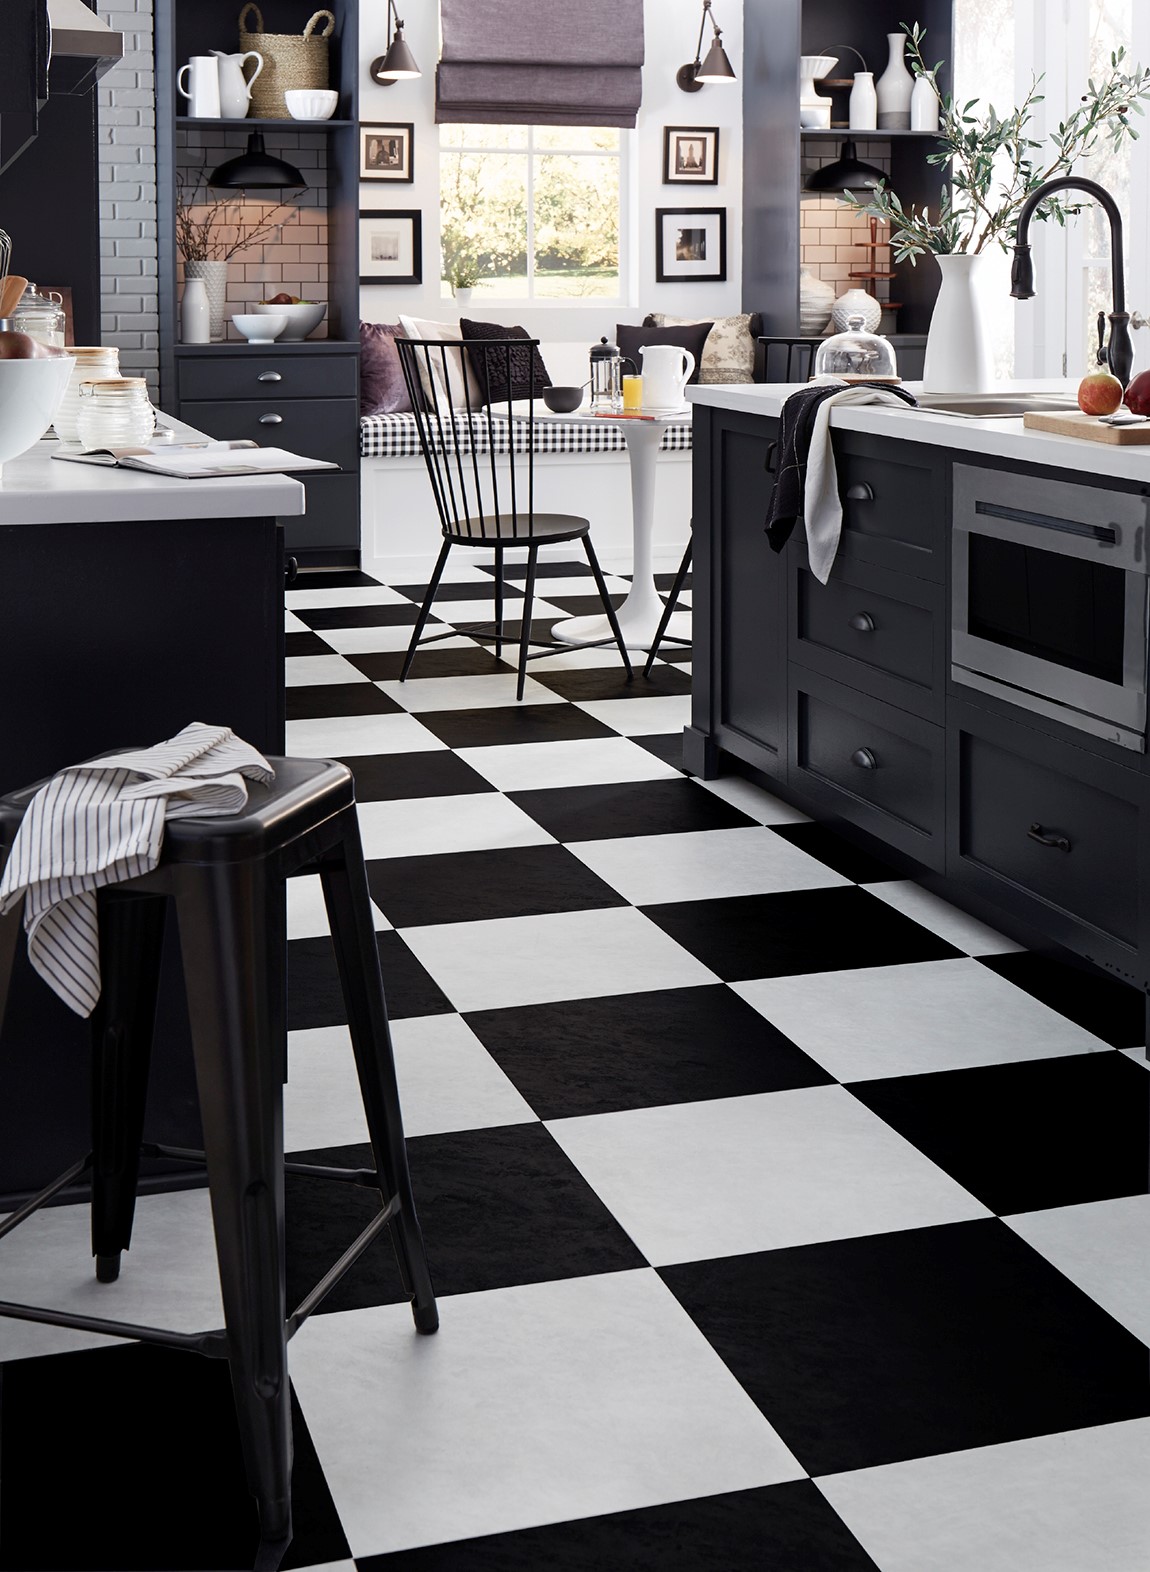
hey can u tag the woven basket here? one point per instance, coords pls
(291, 60)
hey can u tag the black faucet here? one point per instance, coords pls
(1120, 350)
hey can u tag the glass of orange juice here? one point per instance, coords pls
(632, 393)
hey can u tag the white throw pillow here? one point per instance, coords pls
(729, 353)
(459, 373)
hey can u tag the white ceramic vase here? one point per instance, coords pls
(959, 357)
(195, 313)
(863, 102)
(894, 87)
(815, 301)
(215, 277)
(924, 103)
(814, 109)
(856, 303)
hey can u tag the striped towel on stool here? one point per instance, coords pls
(102, 822)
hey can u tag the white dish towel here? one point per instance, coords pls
(822, 509)
(102, 822)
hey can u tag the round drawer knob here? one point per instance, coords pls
(862, 622)
(271, 420)
(864, 759)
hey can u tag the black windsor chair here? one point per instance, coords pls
(474, 410)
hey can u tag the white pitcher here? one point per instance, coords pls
(204, 93)
(235, 88)
(666, 372)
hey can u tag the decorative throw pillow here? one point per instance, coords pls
(382, 390)
(689, 336)
(729, 353)
(490, 369)
(433, 365)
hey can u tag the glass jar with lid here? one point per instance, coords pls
(856, 356)
(94, 363)
(41, 316)
(115, 413)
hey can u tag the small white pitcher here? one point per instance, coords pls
(204, 93)
(235, 88)
(666, 372)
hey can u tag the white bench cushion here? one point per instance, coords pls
(397, 436)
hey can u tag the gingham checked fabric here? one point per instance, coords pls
(397, 436)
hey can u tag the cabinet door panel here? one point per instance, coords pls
(317, 428)
(894, 503)
(274, 375)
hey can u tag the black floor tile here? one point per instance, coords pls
(641, 1050)
(321, 617)
(482, 592)
(668, 747)
(386, 777)
(305, 644)
(387, 665)
(595, 813)
(677, 654)
(512, 881)
(485, 728)
(472, 627)
(545, 570)
(585, 605)
(334, 578)
(319, 700)
(1110, 1009)
(498, 1207)
(610, 682)
(838, 853)
(870, 1351)
(666, 582)
(315, 997)
(128, 1460)
(796, 932)
(1022, 1137)
(779, 1528)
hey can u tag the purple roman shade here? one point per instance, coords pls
(535, 62)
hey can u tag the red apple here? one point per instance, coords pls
(1137, 398)
(1099, 393)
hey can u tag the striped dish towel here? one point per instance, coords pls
(102, 822)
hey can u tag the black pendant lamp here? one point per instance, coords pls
(257, 169)
(847, 173)
(716, 68)
(398, 64)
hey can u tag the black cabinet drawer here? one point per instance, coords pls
(317, 428)
(879, 631)
(332, 518)
(275, 375)
(894, 503)
(873, 765)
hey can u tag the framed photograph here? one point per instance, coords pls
(690, 245)
(386, 152)
(391, 247)
(691, 155)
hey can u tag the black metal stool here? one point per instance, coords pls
(227, 879)
(661, 634)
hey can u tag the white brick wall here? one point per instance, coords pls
(832, 233)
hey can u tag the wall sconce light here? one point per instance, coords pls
(398, 64)
(715, 68)
(257, 170)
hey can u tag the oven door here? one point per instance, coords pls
(1049, 598)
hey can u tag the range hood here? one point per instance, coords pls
(83, 47)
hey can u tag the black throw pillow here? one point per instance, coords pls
(490, 370)
(631, 340)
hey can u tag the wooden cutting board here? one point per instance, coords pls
(1075, 424)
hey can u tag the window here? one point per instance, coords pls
(531, 212)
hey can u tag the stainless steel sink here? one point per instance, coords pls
(993, 406)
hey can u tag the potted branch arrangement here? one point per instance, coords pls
(994, 162)
(212, 230)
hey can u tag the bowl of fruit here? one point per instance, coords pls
(303, 316)
(33, 380)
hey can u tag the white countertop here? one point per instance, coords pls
(1005, 438)
(37, 489)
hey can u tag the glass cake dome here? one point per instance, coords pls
(856, 356)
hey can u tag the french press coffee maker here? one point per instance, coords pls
(607, 377)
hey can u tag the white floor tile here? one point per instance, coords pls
(595, 761)
(536, 1404)
(168, 1277)
(349, 736)
(309, 671)
(906, 1020)
(1074, 1502)
(1138, 1055)
(947, 921)
(571, 659)
(766, 1172)
(754, 801)
(307, 914)
(703, 865)
(464, 611)
(294, 624)
(1104, 1247)
(388, 640)
(563, 955)
(423, 826)
(350, 595)
(666, 712)
(492, 690)
(584, 584)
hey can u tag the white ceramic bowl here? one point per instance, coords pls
(301, 319)
(311, 103)
(260, 327)
(30, 394)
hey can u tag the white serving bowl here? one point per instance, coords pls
(311, 103)
(30, 394)
(301, 319)
(260, 327)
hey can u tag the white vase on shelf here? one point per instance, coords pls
(814, 109)
(959, 355)
(815, 301)
(856, 303)
(195, 313)
(215, 277)
(894, 87)
(863, 102)
(924, 103)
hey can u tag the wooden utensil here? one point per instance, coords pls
(10, 292)
(1074, 424)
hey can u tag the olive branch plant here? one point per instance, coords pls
(216, 230)
(995, 162)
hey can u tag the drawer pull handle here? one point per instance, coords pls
(862, 622)
(1058, 842)
(271, 420)
(291, 569)
(864, 759)
(269, 376)
(860, 492)
(769, 461)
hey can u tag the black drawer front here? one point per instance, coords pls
(894, 504)
(1069, 843)
(277, 376)
(332, 517)
(869, 763)
(317, 428)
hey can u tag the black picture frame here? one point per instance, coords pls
(391, 230)
(387, 151)
(690, 245)
(690, 155)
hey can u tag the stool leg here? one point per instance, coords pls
(9, 941)
(668, 609)
(349, 911)
(498, 601)
(123, 1022)
(228, 956)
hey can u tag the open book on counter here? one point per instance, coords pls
(198, 460)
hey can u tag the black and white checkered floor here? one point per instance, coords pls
(783, 1217)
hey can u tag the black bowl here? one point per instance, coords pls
(562, 401)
